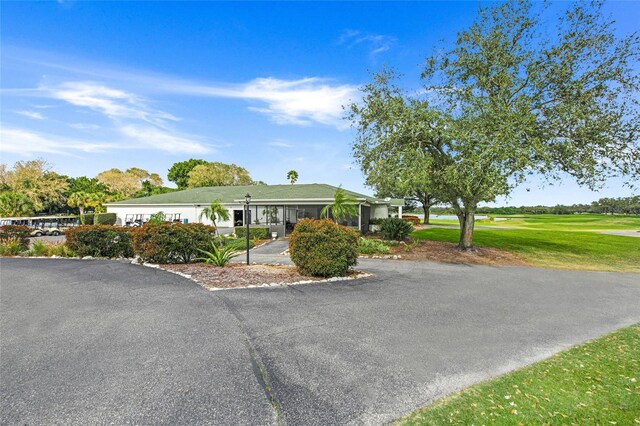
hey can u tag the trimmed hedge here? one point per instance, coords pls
(415, 220)
(87, 218)
(19, 233)
(395, 229)
(322, 248)
(99, 241)
(257, 232)
(172, 242)
(105, 219)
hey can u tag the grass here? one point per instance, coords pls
(555, 249)
(594, 383)
(570, 223)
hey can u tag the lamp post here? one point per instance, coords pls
(247, 219)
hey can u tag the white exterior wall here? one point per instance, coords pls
(190, 212)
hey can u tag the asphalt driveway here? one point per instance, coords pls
(86, 342)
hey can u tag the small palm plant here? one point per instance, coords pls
(218, 256)
(215, 211)
(343, 206)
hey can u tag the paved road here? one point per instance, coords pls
(100, 342)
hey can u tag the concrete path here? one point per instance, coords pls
(87, 342)
(623, 232)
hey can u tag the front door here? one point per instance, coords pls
(238, 218)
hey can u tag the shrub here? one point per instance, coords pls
(323, 248)
(61, 250)
(13, 233)
(99, 241)
(218, 256)
(395, 229)
(239, 244)
(367, 246)
(171, 242)
(104, 219)
(11, 247)
(376, 221)
(87, 218)
(414, 220)
(39, 248)
(255, 232)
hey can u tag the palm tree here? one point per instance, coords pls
(82, 200)
(292, 176)
(343, 206)
(215, 211)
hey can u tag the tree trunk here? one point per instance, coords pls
(81, 209)
(425, 208)
(466, 218)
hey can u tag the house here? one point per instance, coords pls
(279, 207)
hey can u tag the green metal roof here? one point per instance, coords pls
(230, 194)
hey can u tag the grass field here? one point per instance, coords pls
(569, 223)
(595, 383)
(555, 249)
(557, 241)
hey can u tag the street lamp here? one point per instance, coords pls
(247, 219)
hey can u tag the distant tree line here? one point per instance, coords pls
(621, 205)
(33, 188)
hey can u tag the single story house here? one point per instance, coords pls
(279, 207)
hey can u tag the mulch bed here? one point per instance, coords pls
(439, 251)
(239, 275)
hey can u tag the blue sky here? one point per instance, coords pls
(94, 85)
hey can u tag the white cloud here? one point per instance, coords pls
(302, 102)
(280, 144)
(114, 103)
(153, 137)
(84, 126)
(377, 43)
(26, 142)
(31, 114)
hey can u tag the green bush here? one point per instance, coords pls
(255, 232)
(367, 246)
(39, 248)
(87, 218)
(11, 247)
(105, 219)
(395, 229)
(99, 241)
(322, 248)
(171, 242)
(239, 244)
(15, 234)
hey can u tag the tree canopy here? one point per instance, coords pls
(34, 185)
(218, 174)
(124, 184)
(179, 172)
(506, 101)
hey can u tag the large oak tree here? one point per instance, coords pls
(508, 100)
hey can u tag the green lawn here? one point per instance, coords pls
(595, 383)
(555, 249)
(574, 222)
